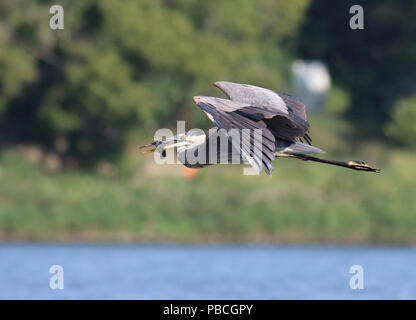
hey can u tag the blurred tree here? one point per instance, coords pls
(121, 64)
(376, 65)
(403, 125)
(338, 101)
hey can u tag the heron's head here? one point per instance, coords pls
(182, 142)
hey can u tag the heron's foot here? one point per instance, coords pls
(361, 165)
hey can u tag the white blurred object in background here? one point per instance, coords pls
(311, 82)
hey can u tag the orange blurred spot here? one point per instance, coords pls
(189, 173)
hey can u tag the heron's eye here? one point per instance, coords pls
(164, 153)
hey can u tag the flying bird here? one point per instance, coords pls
(278, 119)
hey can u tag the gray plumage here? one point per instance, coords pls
(281, 119)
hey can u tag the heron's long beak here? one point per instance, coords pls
(153, 145)
(164, 144)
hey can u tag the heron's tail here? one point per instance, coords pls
(356, 165)
(295, 147)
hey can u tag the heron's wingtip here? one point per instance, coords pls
(197, 99)
(220, 84)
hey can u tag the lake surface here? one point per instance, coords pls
(206, 272)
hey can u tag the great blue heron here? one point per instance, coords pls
(279, 118)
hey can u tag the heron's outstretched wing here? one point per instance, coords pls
(225, 115)
(288, 116)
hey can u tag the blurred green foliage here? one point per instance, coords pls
(302, 202)
(403, 126)
(375, 65)
(119, 65)
(122, 65)
(338, 101)
(121, 68)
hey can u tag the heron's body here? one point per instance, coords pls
(209, 142)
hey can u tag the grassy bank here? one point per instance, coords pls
(302, 202)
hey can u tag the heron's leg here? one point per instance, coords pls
(356, 165)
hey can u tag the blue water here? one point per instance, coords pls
(205, 272)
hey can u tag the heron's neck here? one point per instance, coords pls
(192, 142)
